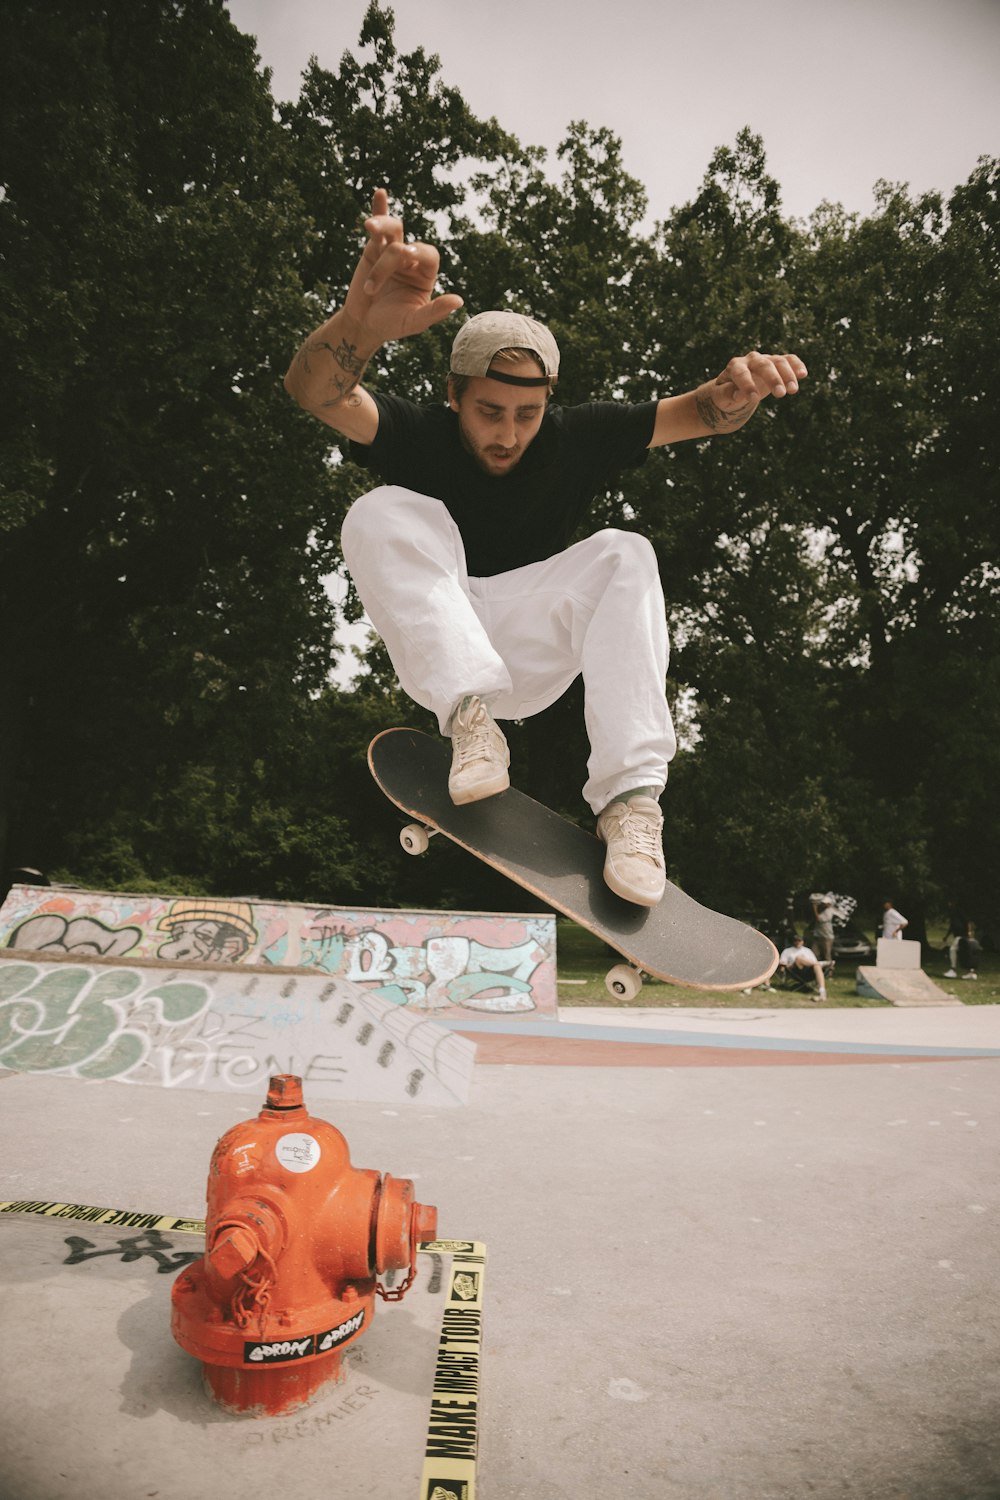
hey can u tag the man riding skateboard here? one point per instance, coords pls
(463, 558)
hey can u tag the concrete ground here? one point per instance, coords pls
(761, 1264)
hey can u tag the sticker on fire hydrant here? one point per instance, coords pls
(299, 1153)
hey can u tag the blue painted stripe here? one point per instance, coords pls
(571, 1030)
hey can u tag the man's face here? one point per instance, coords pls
(498, 421)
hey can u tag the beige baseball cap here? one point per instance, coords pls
(483, 336)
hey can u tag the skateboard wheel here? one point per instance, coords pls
(622, 982)
(414, 839)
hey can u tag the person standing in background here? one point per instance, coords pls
(893, 922)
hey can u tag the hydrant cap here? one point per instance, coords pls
(284, 1092)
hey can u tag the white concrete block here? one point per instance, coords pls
(898, 953)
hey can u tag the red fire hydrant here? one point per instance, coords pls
(295, 1240)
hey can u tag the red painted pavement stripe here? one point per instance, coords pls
(576, 1052)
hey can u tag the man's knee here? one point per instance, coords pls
(391, 511)
(362, 516)
(374, 509)
(633, 551)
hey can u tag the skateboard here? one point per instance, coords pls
(678, 941)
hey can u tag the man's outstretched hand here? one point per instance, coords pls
(724, 404)
(734, 395)
(392, 291)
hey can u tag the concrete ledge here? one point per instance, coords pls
(897, 953)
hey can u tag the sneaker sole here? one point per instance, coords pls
(633, 897)
(479, 793)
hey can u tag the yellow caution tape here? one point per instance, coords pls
(121, 1217)
(453, 1427)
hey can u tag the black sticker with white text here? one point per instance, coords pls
(283, 1351)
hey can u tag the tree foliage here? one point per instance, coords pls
(163, 535)
(168, 234)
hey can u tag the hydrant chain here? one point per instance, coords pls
(396, 1294)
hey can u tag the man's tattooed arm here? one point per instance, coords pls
(324, 378)
(717, 420)
(348, 368)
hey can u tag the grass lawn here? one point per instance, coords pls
(584, 960)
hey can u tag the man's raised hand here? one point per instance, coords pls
(391, 296)
(392, 291)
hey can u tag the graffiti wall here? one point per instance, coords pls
(429, 961)
(219, 1030)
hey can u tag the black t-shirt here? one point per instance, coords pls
(531, 513)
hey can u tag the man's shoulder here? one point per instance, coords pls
(627, 425)
(582, 413)
(402, 408)
(402, 424)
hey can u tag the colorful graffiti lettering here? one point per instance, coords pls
(423, 960)
(146, 1027)
(85, 936)
(443, 971)
(71, 1019)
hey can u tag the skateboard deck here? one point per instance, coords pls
(679, 940)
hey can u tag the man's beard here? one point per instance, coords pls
(487, 456)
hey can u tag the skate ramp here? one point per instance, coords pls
(472, 962)
(902, 986)
(224, 1030)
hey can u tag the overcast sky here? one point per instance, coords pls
(843, 91)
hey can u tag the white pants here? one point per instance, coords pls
(518, 639)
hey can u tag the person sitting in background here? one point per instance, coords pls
(798, 956)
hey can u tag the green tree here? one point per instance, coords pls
(903, 474)
(164, 533)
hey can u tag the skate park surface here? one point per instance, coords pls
(731, 1255)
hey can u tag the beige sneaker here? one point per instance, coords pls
(479, 758)
(634, 866)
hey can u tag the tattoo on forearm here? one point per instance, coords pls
(345, 358)
(715, 418)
